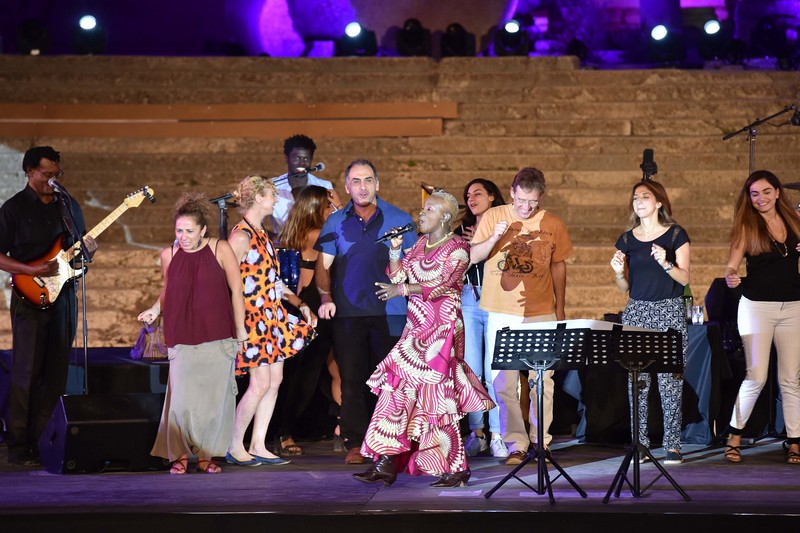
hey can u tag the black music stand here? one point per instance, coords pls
(637, 351)
(539, 350)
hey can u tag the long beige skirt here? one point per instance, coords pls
(200, 402)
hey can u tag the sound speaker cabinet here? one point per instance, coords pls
(94, 433)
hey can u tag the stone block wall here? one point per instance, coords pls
(585, 129)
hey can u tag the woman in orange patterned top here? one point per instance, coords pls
(424, 387)
(273, 334)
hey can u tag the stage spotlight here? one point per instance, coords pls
(33, 38)
(352, 30)
(357, 41)
(712, 27)
(665, 46)
(413, 39)
(87, 22)
(714, 43)
(511, 40)
(457, 42)
(659, 33)
(88, 37)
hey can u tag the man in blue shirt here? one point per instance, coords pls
(350, 262)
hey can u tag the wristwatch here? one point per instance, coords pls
(669, 266)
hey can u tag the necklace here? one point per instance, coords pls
(428, 245)
(785, 250)
(649, 232)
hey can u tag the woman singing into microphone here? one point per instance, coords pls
(424, 387)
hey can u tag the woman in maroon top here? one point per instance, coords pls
(203, 307)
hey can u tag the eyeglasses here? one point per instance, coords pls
(529, 203)
(50, 175)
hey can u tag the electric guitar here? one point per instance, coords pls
(42, 291)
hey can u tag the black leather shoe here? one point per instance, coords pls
(381, 470)
(456, 479)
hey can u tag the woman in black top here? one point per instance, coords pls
(656, 252)
(479, 195)
(765, 233)
(301, 376)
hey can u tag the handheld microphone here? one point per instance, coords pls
(57, 187)
(394, 233)
(319, 167)
(648, 166)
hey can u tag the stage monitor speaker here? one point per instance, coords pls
(100, 432)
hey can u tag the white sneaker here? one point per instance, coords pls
(475, 445)
(498, 447)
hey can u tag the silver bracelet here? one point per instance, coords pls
(394, 255)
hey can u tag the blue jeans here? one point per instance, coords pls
(474, 348)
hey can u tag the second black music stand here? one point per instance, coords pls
(539, 350)
(637, 351)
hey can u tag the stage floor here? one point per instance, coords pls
(316, 492)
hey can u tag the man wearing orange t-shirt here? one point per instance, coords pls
(524, 280)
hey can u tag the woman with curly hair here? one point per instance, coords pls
(203, 312)
(272, 334)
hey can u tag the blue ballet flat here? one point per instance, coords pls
(274, 461)
(255, 461)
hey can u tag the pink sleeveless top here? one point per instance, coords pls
(197, 302)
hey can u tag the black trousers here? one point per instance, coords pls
(301, 375)
(41, 344)
(359, 344)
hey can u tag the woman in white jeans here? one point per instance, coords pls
(765, 232)
(479, 195)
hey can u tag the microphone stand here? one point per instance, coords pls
(69, 222)
(222, 204)
(751, 133)
(223, 218)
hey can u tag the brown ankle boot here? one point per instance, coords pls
(381, 470)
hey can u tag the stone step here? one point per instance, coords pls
(541, 71)
(267, 153)
(620, 127)
(571, 212)
(745, 110)
(607, 186)
(477, 162)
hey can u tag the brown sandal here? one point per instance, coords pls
(210, 466)
(733, 454)
(291, 449)
(179, 466)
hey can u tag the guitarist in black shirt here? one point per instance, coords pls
(31, 222)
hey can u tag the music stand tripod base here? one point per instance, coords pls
(637, 351)
(536, 350)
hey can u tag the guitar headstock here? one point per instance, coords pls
(135, 199)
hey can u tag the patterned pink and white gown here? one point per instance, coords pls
(424, 387)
